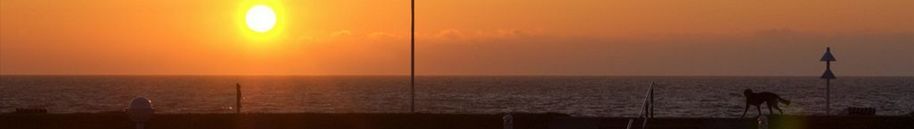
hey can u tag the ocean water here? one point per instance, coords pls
(610, 96)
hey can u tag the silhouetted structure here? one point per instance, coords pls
(412, 55)
(237, 98)
(828, 76)
(756, 99)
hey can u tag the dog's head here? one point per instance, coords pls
(747, 91)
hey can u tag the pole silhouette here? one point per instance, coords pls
(237, 98)
(412, 55)
(828, 76)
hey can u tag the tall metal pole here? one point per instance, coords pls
(412, 55)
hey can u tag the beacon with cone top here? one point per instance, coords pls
(828, 76)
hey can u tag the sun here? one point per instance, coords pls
(260, 18)
(262, 21)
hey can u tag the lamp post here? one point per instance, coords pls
(828, 76)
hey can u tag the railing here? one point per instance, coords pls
(647, 109)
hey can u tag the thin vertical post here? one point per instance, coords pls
(828, 88)
(828, 97)
(238, 98)
(412, 55)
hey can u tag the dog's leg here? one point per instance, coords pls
(759, 109)
(779, 109)
(771, 112)
(744, 111)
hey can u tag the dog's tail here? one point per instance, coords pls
(782, 100)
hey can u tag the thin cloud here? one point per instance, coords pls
(482, 35)
(384, 35)
(450, 34)
(341, 33)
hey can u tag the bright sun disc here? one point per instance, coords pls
(260, 18)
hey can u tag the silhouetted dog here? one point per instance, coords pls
(757, 99)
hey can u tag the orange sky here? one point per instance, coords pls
(476, 37)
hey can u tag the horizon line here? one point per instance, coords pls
(557, 75)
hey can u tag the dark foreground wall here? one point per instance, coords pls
(425, 121)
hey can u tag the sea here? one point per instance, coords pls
(595, 96)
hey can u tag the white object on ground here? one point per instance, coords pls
(763, 122)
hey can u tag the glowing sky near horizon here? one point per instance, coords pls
(479, 37)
